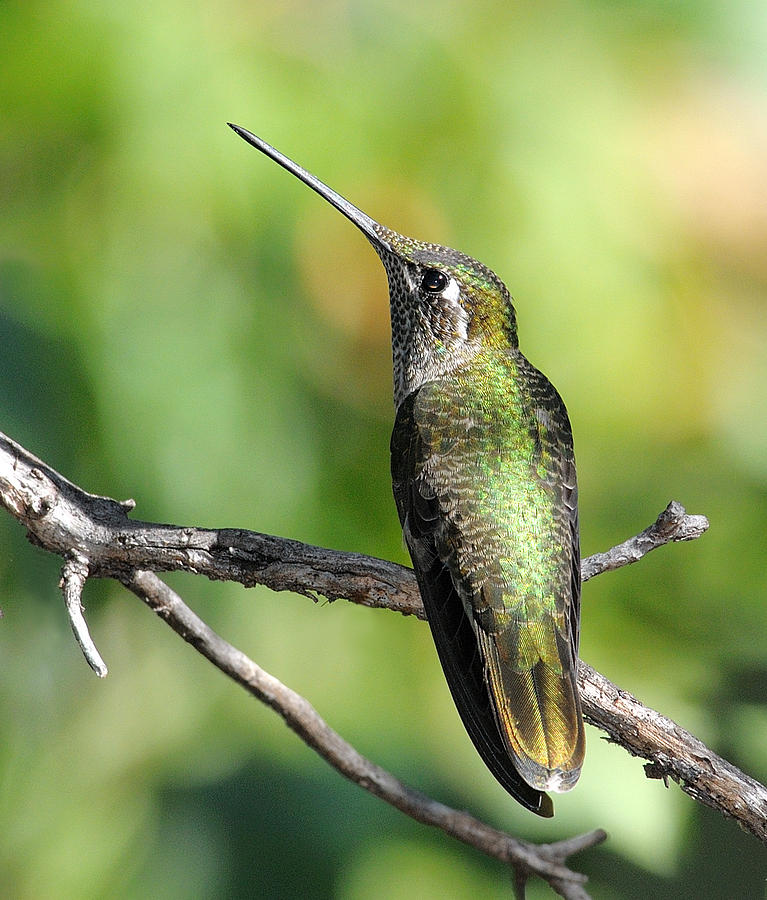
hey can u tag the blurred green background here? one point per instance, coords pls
(183, 323)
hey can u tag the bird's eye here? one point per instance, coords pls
(433, 281)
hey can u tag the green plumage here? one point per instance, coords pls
(484, 480)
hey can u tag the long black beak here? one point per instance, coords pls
(369, 227)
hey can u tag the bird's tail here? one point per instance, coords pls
(531, 671)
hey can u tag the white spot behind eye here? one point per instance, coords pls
(452, 292)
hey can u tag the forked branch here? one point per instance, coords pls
(97, 539)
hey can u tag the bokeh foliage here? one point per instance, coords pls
(183, 323)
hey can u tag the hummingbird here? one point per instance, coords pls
(484, 481)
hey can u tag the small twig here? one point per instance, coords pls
(561, 850)
(73, 577)
(673, 524)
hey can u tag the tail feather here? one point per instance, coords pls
(531, 677)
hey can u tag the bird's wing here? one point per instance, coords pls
(506, 635)
(452, 629)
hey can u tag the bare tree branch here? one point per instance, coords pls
(114, 543)
(673, 524)
(673, 752)
(97, 539)
(307, 723)
(73, 577)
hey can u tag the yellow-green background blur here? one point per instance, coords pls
(183, 323)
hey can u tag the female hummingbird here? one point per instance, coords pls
(484, 481)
